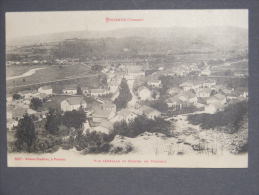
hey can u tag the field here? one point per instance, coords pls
(51, 73)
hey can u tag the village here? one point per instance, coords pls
(194, 90)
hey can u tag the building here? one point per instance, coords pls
(155, 83)
(174, 91)
(134, 71)
(18, 112)
(188, 96)
(213, 107)
(205, 72)
(204, 92)
(114, 83)
(73, 103)
(124, 114)
(175, 103)
(217, 99)
(99, 92)
(186, 86)
(45, 90)
(144, 93)
(70, 91)
(85, 90)
(149, 112)
(103, 111)
(210, 83)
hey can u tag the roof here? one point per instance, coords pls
(134, 68)
(154, 80)
(125, 112)
(148, 110)
(70, 88)
(101, 129)
(98, 90)
(19, 111)
(174, 99)
(108, 104)
(174, 90)
(142, 88)
(187, 95)
(216, 98)
(75, 100)
(205, 90)
(219, 96)
(100, 112)
(190, 83)
(210, 81)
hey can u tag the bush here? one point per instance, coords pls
(16, 96)
(25, 134)
(74, 118)
(93, 142)
(229, 120)
(140, 125)
(124, 95)
(36, 103)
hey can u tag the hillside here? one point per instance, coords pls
(171, 38)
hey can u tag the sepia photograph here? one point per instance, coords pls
(127, 88)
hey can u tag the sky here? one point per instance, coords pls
(20, 24)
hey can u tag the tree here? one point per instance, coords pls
(140, 125)
(74, 118)
(96, 68)
(159, 105)
(17, 96)
(53, 121)
(124, 95)
(35, 103)
(79, 91)
(25, 134)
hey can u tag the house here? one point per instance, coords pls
(103, 111)
(28, 94)
(100, 129)
(174, 91)
(227, 91)
(114, 83)
(85, 90)
(9, 115)
(205, 72)
(70, 91)
(188, 85)
(98, 92)
(149, 112)
(124, 114)
(203, 92)
(188, 96)
(155, 83)
(144, 93)
(209, 83)
(134, 71)
(217, 99)
(18, 112)
(73, 103)
(11, 124)
(213, 108)
(175, 103)
(245, 94)
(45, 90)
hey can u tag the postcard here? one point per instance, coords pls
(127, 88)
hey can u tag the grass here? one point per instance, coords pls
(49, 74)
